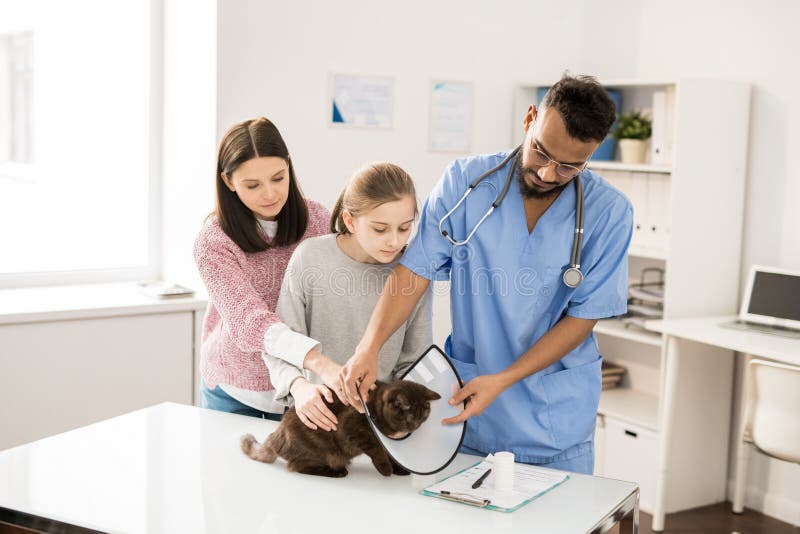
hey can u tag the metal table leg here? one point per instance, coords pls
(629, 506)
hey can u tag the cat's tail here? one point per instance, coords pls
(262, 453)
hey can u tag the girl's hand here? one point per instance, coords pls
(360, 371)
(310, 406)
(327, 370)
(330, 376)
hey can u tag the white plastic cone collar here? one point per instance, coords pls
(431, 447)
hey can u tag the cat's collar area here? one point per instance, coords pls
(401, 435)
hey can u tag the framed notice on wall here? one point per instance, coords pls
(451, 117)
(361, 101)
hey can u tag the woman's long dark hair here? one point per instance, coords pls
(256, 138)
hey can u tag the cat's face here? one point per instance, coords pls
(403, 407)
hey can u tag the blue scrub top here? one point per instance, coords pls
(506, 293)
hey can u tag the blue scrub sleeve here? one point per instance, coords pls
(429, 254)
(604, 290)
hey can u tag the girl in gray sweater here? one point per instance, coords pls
(332, 284)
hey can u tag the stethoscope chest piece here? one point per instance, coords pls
(572, 277)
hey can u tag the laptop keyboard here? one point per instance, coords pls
(763, 328)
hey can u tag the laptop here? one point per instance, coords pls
(771, 302)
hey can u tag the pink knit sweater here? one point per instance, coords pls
(243, 291)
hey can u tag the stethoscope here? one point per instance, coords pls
(572, 276)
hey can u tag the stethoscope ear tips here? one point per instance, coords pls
(572, 277)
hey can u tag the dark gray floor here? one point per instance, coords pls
(715, 519)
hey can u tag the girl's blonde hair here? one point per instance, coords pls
(368, 188)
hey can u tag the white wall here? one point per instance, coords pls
(275, 58)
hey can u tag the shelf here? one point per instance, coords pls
(631, 406)
(634, 167)
(635, 84)
(615, 328)
(645, 252)
(621, 83)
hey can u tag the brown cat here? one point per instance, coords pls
(397, 408)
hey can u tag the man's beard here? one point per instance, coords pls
(533, 191)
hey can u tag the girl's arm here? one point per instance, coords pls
(419, 335)
(280, 340)
(401, 293)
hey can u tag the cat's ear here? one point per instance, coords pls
(400, 402)
(431, 395)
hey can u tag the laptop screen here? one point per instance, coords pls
(775, 295)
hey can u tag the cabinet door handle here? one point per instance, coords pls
(631, 433)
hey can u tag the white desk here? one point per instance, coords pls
(706, 330)
(174, 468)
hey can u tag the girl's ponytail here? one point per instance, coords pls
(337, 221)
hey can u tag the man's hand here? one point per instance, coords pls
(360, 371)
(310, 406)
(479, 393)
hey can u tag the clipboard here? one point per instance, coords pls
(530, 483)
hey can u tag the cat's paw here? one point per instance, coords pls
(383, 468)
(400, 471)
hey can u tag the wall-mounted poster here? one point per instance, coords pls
(361, 101)
(451, 117)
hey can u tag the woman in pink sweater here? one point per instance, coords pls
(242, 253)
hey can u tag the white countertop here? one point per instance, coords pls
(708, 330)
(25, 305)
(174, 468)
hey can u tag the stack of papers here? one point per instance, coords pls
(612, 374)
(530, 482)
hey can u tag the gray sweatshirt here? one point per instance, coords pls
(328, 296)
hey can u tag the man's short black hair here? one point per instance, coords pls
(585, 106)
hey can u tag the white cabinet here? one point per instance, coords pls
(630, 453)
(688, 212)
(66, 364)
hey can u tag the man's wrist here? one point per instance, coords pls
(506, 378)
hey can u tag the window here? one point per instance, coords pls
(15, 97)
(76, 141)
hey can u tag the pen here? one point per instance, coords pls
(464, 498)
(477, 483)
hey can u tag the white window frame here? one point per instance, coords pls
(153, 269)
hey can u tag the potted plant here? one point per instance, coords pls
(633, 130)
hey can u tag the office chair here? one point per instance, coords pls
(770, 420)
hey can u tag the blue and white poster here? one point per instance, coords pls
(361, 101)
(451, 117)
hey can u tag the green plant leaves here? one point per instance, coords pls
(633, 125)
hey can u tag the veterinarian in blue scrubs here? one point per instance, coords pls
(521, 338)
